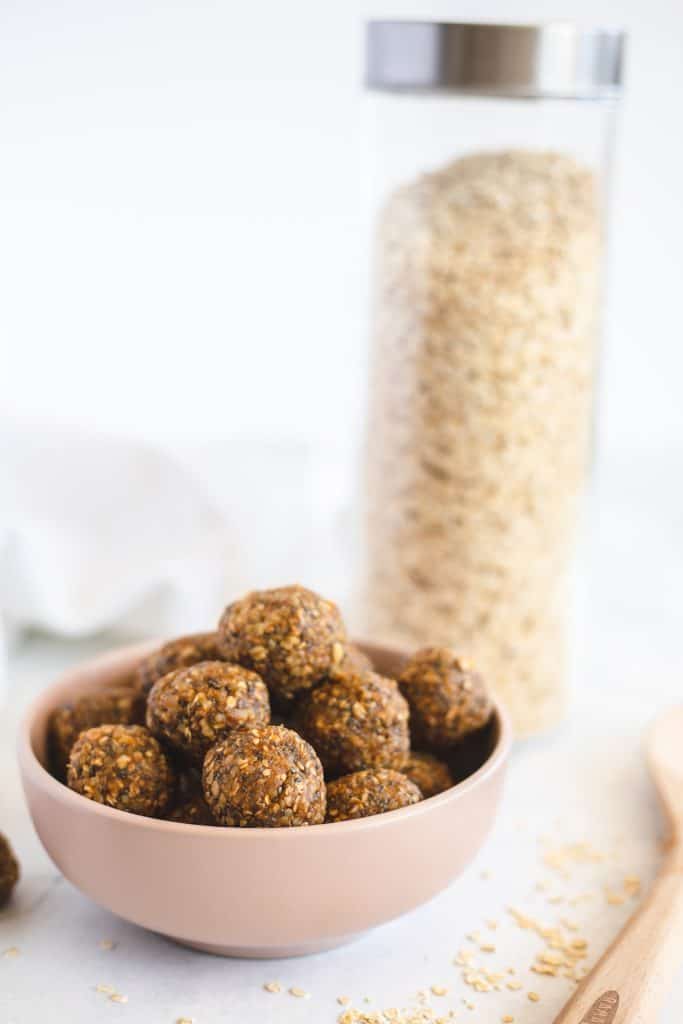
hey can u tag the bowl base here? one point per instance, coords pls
(269, 952)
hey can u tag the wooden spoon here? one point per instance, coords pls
(630, 982)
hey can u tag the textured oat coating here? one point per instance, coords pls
(448, 699)
(264, 778)
(362, 794)
(356, 722)
(179, 653)
(430, 775)
(192, 708)
(122, 766)
(9, 870)
(119, 705)
(291, 636)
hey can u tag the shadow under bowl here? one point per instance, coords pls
(255, 892)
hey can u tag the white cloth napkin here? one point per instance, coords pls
(99, 532)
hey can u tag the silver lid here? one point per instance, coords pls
(558, 60)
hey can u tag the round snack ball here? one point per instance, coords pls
(195, 707)
(356, 722)
(264, 778)
(179, 653)
(374, 791)
(430, 775)
(119, 705)
(448, 700)
(291, 636)
(9, 870)
(122, 766)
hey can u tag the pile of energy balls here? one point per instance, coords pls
(274, 720)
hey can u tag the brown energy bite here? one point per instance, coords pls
(430, 775)
(119, 705)
(264, 778)
(122, 766)
(180, 653)
(363, 794)
(9, 870)
(447, 698)
(291, 636)
(195, 707)
(356, 722)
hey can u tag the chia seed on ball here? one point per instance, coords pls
(430, 775)
(365, 793)
(448, 699)
(122, 766)
(358, 721)
(192, 708)
(264, 778)
(180, 653)
(291, 636)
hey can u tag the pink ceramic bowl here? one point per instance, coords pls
(254, 892)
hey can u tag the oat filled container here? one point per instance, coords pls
(492, 146)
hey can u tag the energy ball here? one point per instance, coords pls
(9, 870)
(362, 794)
(430, 775)
(195, 707)
(264, 778)
(291, 636)
(117, 706)
(356, 722)
(448, 699)
(122, 766)
(180, 653)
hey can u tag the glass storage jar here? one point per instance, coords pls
(492, 150)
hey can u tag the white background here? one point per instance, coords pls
(180, 249)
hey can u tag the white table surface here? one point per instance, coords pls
(584, 784)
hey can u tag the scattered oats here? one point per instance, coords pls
(116, 997)
(487, 947)
(11, 951)
(507, 1019)
(632, 885)
(473, 937)
(534, 997)
(439, 990)
(614, 898)
(562, 857)
(106, 944)
(492, 925)
(300, 993)
(106, 989)
(343, 1000)
(514, 986)
(273, 986)
(185, 1020)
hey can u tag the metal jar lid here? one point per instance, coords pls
(559, 60)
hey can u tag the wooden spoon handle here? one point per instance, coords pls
(631, 980)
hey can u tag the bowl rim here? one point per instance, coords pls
(31, 767)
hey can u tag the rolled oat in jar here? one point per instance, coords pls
(485, 332)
